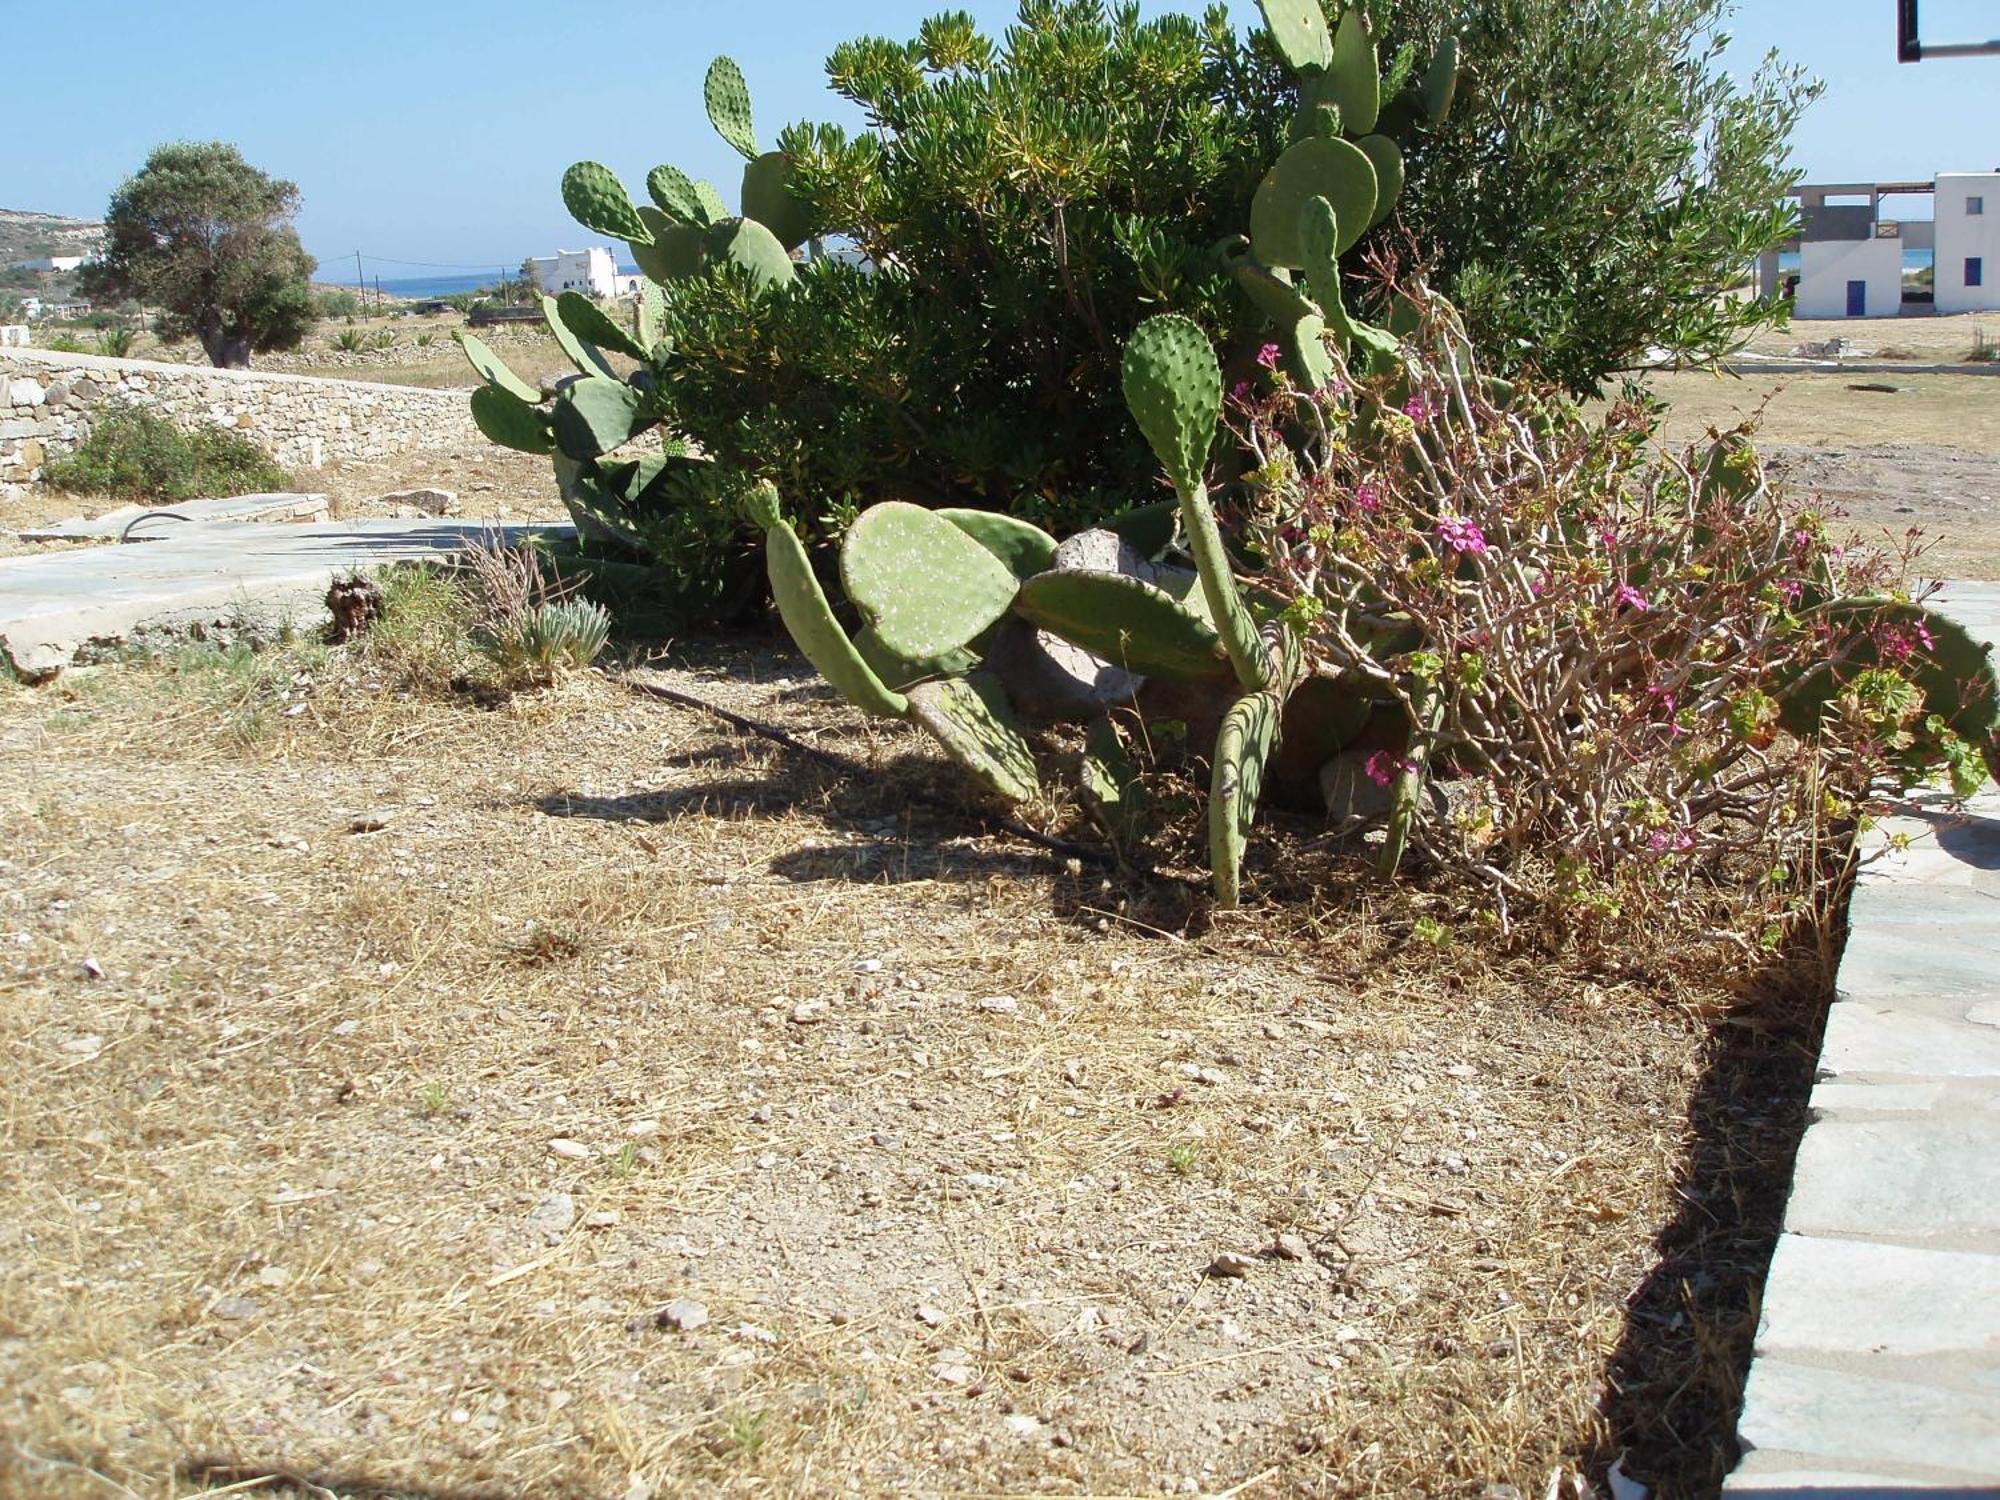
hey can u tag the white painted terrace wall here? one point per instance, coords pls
(1826, 266)
(47, 401)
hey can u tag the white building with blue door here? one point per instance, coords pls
(1854, 261)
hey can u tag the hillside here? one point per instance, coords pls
(26, 236)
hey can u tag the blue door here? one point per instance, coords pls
(1857, 299)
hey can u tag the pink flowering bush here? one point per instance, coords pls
(1629, 663)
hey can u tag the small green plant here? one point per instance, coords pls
(385, 338)
(426, 339)
(1183, 1158)
(624, 1161)
(350, 341)
(134, 453)
(422, 635)
(746, 1432)
(532, 629)
(434, 1098)
(115, 342)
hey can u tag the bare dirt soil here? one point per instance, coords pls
(573, 1096)
(1925, 454)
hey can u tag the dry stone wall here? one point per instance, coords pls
(48, 400)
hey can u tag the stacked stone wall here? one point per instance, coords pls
(48, 401)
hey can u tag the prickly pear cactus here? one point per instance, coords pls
(597, 200)
(971, 718)
(1299, 29)
(493, 369)
(1128, 622)
(923, 585)
(803, 607)
(1241, 749)
(728, 100)
(593, 326)
(1386, 157)
(506, 419)
(746, 243)
(1319, 167)
(1441, 81)
(673, 191)
(1024, 547)
(768, 198)
(1355, 84)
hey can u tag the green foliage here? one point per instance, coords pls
(550, 638)
(335, 304)
(1601, 181)
(207, 238)
(134, 453)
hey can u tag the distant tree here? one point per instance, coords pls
(1601, 184)
(207, 238)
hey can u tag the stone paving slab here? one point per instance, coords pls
(1877, 1365)
(149, 523)
(52, 607)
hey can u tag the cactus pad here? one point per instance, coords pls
(1174, 389)
(1299, 29)
(585, 356)
(1024, 547)
(649, 317)
(1241, 748)
(746, 243)
(673, 190)
(1353, 75)
(1317, 167)
(1441, 81)
(972, 719)
(592, 326)
(597, 414)
(711, 202)
(728, 100)
(508, 420)
(1126, 621)
(803, 607)
(597, 200)
(1148, 528)
(768, 198)
(493, 369)
(1955, 673)
(1386, 157)
(677, 250)
(924, 585)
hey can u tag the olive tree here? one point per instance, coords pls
(207, 238)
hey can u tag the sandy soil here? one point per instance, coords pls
(571, 1098)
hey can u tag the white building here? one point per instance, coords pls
(1967, 275)
(592, 272)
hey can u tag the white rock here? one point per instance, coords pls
(568, 1149)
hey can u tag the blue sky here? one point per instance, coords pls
(437, 132)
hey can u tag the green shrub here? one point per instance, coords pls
(335, 304)
(547, 640)
(134, 453)
(350, 341)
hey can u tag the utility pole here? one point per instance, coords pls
(360, 281)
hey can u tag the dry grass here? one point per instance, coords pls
(1931, 339)
(1953, 411)
(296, 1000)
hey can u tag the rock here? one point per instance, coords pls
(1231, 1266)
(1000, 1005)
(273, 1276)
(552, 1215)
(809, 1012)
(928, 1315)
(425, 502)
(604, 1218)
(1048, 680)
(234, 1308)
(954, 1367)
(568, 1149)
(683, 1315)
(1290, 1247)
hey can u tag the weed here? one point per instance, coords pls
(421, 635)
(134, 453)
(623, 1162)
(1183, 1158)
(433, 1099)
(350, 341)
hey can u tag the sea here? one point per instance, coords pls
(1788, 260)
(421, 288)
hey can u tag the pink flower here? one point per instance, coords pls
(1802, 542)
(1791, 588)
(1670, 840)
(1628, 597)
(1419, 409)
(1333, 390)
(1538, 585)
(1366, 498)
(1461, 535)
(1268, 356)
(1383, 768)
(1240, 391)
(1924, 636)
